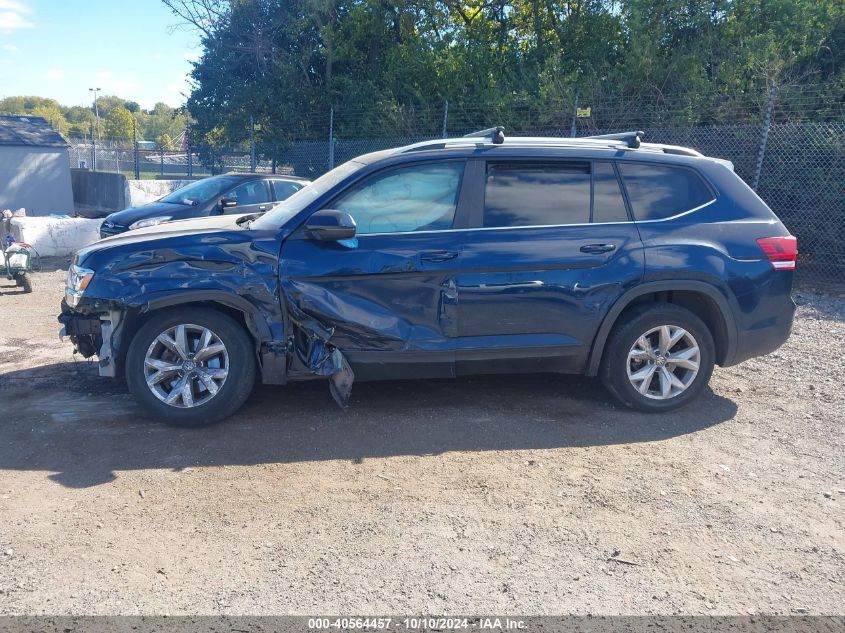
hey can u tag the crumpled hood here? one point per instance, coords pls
(178, 228)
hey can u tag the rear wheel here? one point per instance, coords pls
(659, 358)
(191, 367)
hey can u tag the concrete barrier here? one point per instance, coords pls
(56, 237)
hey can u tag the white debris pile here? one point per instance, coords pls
(55, 236)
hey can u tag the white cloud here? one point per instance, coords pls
(55, 73)
(193, 57)
(105, 74)
(10, 47)
(13, 16)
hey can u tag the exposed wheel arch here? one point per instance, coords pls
(223, 300)
(700, 297)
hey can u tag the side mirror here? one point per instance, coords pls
(330, 225)
(225, 203)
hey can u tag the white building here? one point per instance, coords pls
(34, 167)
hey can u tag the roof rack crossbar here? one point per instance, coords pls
(495, 134)
(631, 139)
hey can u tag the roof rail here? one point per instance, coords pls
(495, 134)
(631, 139)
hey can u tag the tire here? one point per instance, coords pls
(226, 364)
(635, 346)
(22, 281)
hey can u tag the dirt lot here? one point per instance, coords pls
(522, 495)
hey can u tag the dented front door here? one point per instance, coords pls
(387, 298)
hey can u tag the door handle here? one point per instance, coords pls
(598, 248)
(438, 256)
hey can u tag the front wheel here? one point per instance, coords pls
(659, 358)
(192, 367)
(24, 282)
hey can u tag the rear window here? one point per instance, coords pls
(657, 192)
(537, 194)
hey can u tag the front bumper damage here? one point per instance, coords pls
(99, 333)
(94, 334)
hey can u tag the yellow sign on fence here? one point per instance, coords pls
(583, 113)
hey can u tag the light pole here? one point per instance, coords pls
(93, 138)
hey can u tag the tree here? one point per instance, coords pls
(386, 66)
(48, 109)
(166, 142)
(53, 115)
(119, 124)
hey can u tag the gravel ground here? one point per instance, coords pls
(530, 494)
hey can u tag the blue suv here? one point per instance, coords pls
(642, 264)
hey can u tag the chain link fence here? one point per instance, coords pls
(788, 145)
(118, 156)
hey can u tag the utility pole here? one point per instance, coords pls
(97, 118)
(574, 129)
(445, 117)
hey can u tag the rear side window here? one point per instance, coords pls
(661, 191)
(284, 189)
(537, 194)
(608, 203)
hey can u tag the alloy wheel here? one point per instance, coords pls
(663, 362)
(186, 365)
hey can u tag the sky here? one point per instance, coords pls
(60, 48)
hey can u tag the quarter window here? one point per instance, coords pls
(536, 194)
(660, 191)
(417, 198)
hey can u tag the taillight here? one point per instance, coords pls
(781, 251)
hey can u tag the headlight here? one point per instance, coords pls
(140, 224)
(78, 279)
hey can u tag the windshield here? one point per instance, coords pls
(200, 191)
(280, 214)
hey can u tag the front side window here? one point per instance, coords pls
(537, 194)
(416, 198)
(657, 192)
(200, 191)
(252, 192)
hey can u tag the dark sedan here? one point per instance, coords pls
(229, 193)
